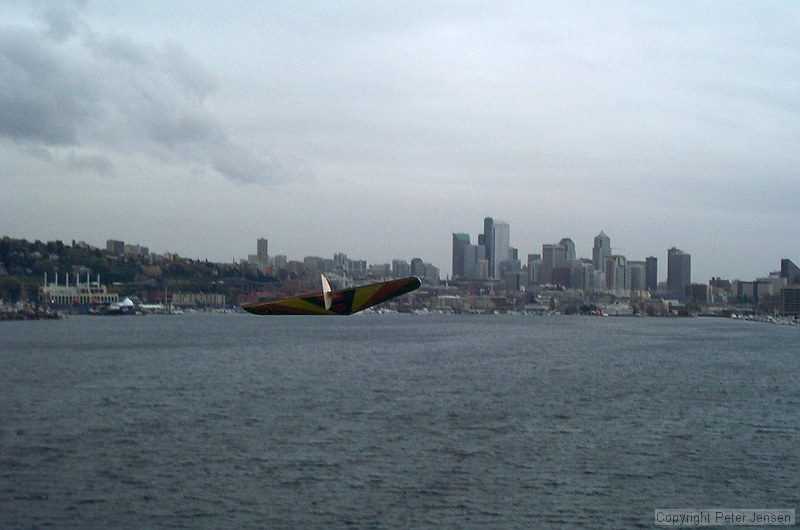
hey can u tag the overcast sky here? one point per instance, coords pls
(380, 128)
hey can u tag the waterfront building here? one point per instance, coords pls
(790, 271)
(601, 251)
(790, 300)
(698, 293)
(719, 291)
(79, 294)
(212, 300)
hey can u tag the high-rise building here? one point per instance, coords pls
(582, 274)
(418, 268)
(487, 240)
(636, 275)
(651, 274)
(497, 239)
(553, 256)
(502, 246)
(569, 249)
(262, 251)
(601, 251)
(474, 255)
(616, 273)
(460, 243)
(679, 271)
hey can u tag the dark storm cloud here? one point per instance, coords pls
(41, 100)
(106, 98)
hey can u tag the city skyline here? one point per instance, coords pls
(263, 257)
(380, 130)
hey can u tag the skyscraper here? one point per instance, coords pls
(474, 257)
(601, 251)
(460, 244)
(497, 239)
(679, 271)
(651, 274)
(488, 241)
(569, 249)
(553, 256)
(502, 246)
(262, 251)
(616, 273)
(635, 279)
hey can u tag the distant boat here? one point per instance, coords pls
(339, 302)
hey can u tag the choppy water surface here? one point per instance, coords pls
(235, 421)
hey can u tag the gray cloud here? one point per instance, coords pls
(68, 86)
(652, 121)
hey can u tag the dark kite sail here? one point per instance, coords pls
(340, 302)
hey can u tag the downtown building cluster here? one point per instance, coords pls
(491, 260)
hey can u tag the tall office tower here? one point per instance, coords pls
(460, 243)
(582, 275)
(679, 271)
(502, 246)
(473, 256)
(601, 251)
(651, 274)
(635, 278)
(418, 268)
(488, 241)
(262, 251)
(552, 258)
(497, 238)
(616, 271)
(569, 249)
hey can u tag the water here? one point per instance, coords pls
(374, 421)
